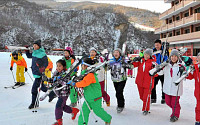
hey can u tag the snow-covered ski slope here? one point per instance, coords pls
(14, 103)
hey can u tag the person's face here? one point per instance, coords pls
(174, 58)
(146, 56)
(83, 67)
(67, 54)
(92, 54)
(35, 47)
(59, 67)
(116, 54)
(157, 46)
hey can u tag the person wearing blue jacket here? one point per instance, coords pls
(39, 63)
(159, 59)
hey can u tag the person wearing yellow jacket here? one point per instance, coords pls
(21, 67)
(48, 70)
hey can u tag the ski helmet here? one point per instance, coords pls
(69, 49)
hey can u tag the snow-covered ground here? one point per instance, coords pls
(14, 103)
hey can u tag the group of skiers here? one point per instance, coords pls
(93, 84)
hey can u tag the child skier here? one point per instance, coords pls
(101, 75)
(118, 76)
(62, 95)
(144, 81)
(21, 67)
(172, 72)
(195, 75)
(92, 95)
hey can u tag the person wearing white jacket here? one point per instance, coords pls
(101, 75)
(172, 72)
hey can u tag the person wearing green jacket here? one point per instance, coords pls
(92, 95)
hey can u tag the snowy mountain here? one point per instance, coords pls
(23, 22)
(14, 103)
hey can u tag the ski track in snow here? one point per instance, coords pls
(14, 103)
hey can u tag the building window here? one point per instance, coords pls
(170, 34)
(178, 33)
(197, 10)
(178, 18)
(164, 36)
(197, 28)
(176, 2)
(187, 31)
(170, 21)
(186, 14)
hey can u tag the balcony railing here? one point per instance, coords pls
(183, 37)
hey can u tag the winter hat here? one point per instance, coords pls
(174, 52)
(69, 49)
(148, 51)
(93, 49)
(119, 50)
(88, 62)
(38, 42)
(15, 53)
(62, 62)
(198, 54)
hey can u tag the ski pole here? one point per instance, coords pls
(106, 85)
(30, 76)
(13, 76)
(149, 93)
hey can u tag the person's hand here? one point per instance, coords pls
(11, 68)
(50, 69)
(26, 69)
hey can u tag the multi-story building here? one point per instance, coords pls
(182, 24)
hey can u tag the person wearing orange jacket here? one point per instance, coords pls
(144, 81)
(21, 67)
(48, 70)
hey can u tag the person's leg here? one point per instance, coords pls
(105, 96)
(162, 82)
(73, 95)
(18, 73)
(34, 90)
(141, 91)
(168, 100)
(119, 93)
(146, 99)
(84, 115)
(65, 107)
(197, 111)
(100, 112)
(22, 78)
(175, 104)
(153, 92)
(59, 108)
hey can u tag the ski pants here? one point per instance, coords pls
(153, 94)
(171, 101)
(197, 111)
(105, 96)
(61, 106)
(96, 106)
(73, 95)
(48, 74)
(35, 87)
(119, 88)
(144, 93)
(20, 74)
(130, 72)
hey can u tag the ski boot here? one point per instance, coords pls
(59, 122)
(173, 119)
(153, 100)
(16, 84)
(22, 83)
(120, 109)
(106, 123)
(74, 113)
(197, 123)
(146, 112)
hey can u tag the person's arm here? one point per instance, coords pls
(87, 80)
(28, 54)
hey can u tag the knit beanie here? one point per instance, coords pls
(148, 51)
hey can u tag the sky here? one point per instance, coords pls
(152, 5)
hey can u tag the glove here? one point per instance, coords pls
(71, 83)
(26, 69)
(181, 69)
(56, 78)
(42, 69)
(44, 78)
(76, 70)
(50, 69)
(11, 68)
(137, 59)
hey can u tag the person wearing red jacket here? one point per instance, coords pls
(196, 75)
(144, 81)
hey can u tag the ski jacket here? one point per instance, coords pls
(196, 75)
(101, 75)
(65, 91)
(91, 87)
(69, 62)
(37, 56)
(171, 73)
(143, 78)
(50, 64)
(20, 61)
(118, 73)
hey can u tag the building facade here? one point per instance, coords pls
(182, 24)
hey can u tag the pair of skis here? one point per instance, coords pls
(14, 86)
